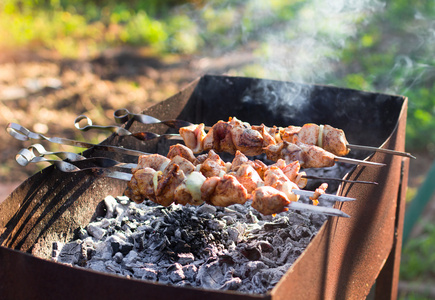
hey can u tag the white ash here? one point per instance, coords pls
(233, 248)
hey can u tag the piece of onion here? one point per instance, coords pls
(156, 179)
(193, 184)
(320, 137)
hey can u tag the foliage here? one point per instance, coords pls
(418, 259)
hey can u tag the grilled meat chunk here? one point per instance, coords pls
(183, 151)
(193, 137)
(248, 177)
(141, 185)
(167, 184)
(213, 165)
(154, 161)
(224, 191)
(268, 200)
(318, 192)
(334, 141)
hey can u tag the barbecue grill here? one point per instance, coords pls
(343, 261)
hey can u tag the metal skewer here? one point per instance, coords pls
(330, 211)
(143, 136)
(338, 179)
(26, 156)
(358, 162)
(123, 115)
(387, 151)
(23, 134)
(146, 136)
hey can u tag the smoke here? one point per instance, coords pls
(301, 41)
(308, 48)
(324, 42)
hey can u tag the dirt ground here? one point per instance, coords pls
(45, 94)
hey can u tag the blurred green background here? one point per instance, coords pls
(380, 46)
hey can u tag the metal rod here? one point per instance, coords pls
(387, 151)
(123, 115)
(328, 197)
(23, 134)
(69, 156)
(317, 209)
(26, 156)
(338, 179)
(358, 162)
(143, 136)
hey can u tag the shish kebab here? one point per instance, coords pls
(236, 135)
(315, 146)
(175, 179)
(182, 178)
(325, 136)
(23, 134)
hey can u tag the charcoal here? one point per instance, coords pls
(232, 284)
(110, 203)
(130, 259)
(231, 248)
(216, 224)
(149, 272)
(210, 276)
(96, 230)
(123, 248)
(176, 273)
(282, 222)
(185, 258)
(190, 272)
(118, 257)
(251, 253)
(297, 232)
(265, 246)
(251, 218)
(98, 265)
(71, 253)
(204, 209)
(80, 233)
(113, 267)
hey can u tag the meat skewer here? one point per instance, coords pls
(181, 183)
(236, 135)
(180, 155)
(251, 174)
(175, 185)
(229, 138)
(335, 140)
(102, 161)
(192, 181)
(143, 136)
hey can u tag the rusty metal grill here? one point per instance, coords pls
(342, 262)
